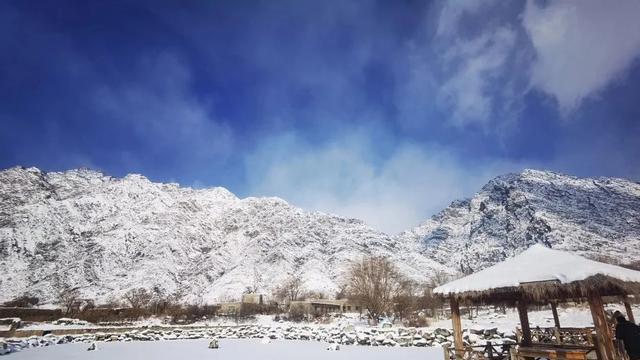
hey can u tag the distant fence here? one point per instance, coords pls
(92, 315)
(31, 314)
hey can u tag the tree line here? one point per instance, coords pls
(374, 283)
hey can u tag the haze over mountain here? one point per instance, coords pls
(104, 235)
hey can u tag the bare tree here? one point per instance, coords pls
(312, 294)
(138, 298)
(440, 277)
(405, 302)
(342, 292)
(256, 283)
(290, 290)
(428, 300)
(69, 299)
(374, 282)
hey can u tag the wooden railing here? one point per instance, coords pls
(551, 352)
(565, 336)
(517, 352)
(487, 352)
(574, 343)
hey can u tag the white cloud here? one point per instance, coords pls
(453, 10)
(582, 46)
(470, 89)
(346, 177)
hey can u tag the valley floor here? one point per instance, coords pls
(230, 349)
(240, 342)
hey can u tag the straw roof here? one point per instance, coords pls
(543, 274)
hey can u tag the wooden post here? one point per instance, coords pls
(524, 323)
(556, 322)
(445, 350)
(457, 327)
(627, 307)
(513, 354)
(554, 310)
(604, 341)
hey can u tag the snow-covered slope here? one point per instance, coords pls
(105, 235)
(597, 218)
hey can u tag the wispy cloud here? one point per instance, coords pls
(451, 13)
(581, 46)
(348, 176)
(470, 89)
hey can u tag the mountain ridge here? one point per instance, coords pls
(535, 207)
(105, 235)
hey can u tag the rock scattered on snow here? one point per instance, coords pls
(4, 348)
(333, 347)
(335, 336)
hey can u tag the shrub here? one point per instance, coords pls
(297, 313)
(24, 301)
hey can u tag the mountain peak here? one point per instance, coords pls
(514, 211)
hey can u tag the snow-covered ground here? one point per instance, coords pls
(243, 339)
(230, 349)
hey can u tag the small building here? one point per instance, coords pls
(236, 307)
(325, 306)
(253, 299)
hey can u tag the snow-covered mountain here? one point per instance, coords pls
(598, 218)
(83, 229)
(106, 235)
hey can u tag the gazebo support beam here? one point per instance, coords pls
(554, 310)
(627, 306)
(603, 333)
(457, 327)
(524, 323)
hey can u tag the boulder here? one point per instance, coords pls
(389, 342)
(420, 342)
(213, 344)
(4, 348)
(333, 347)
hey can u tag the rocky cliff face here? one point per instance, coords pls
(597, 218)
(82, 229)
(105, 235)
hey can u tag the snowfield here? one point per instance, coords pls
(230, 349)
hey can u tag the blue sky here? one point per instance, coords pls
(382, 110)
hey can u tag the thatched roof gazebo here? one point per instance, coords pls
(541, 275)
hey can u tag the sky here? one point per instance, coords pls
(385, 111)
